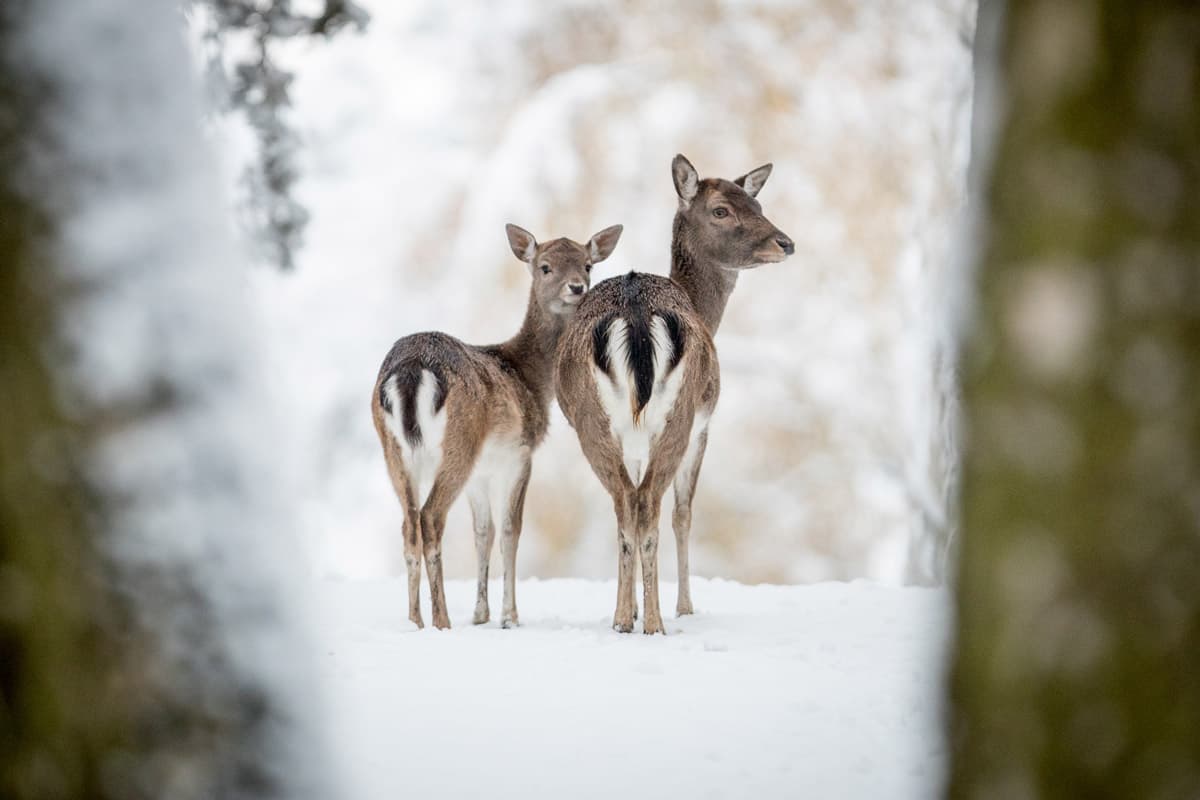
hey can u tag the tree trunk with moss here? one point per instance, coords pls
(53, 725)
(1077, 671)
(117, 680)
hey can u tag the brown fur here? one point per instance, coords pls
(636, 507)
(706, 251)
(498, 393)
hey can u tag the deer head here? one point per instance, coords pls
(721, 222)
(561, 269)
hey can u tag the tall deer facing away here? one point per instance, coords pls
(452, 416)
(637, 373)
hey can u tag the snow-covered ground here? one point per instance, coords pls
(823, 691)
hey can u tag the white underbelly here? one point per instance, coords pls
(500, 464)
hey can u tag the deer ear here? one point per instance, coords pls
(521, 241)
(602, 244)
(753, 180)
(687, 182)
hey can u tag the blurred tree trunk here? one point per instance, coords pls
(1077, 672)
(96, 701)
(54, 720)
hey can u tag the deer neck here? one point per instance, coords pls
(531, 351)
(707, 284)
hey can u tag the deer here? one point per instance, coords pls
(452, 416)
(637, 375)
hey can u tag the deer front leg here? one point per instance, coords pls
(681, 520)
(485, 535)
(510, 537)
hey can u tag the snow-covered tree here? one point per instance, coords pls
(144, 650)
(246, 78)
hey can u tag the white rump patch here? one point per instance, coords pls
(421, 462)
(618, 394)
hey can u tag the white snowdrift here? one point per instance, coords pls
(826, 691)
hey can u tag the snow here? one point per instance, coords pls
(829, 690)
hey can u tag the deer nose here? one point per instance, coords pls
(785, 244)
(576, 288)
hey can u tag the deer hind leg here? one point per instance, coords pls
(665, 459)
(402, 483)
(648, 502)
(603, 453)
(485, 534)
(625, 505)
(633, 584)
(452, 476)
(681, 520)
(412, 562)
(510, 534)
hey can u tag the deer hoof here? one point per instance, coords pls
(482, 615)
(509, 622)
(415, 619)
(653, 626)
(683, 609)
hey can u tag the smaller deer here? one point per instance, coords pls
(451, 416)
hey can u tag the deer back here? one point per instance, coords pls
(635, 355)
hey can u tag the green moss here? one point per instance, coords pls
(1096, 690)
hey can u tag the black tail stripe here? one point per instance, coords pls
(639, 348)
(408, 381)
(639, 344)
(439, 395)
(675, 331)
(600, 344)
(385, 402)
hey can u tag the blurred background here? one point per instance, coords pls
(831, 455)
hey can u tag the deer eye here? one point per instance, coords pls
(720, 212)
(545, 269)
(587, 267)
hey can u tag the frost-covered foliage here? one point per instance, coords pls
(239, 36)
(155, 657)
(831, 451)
